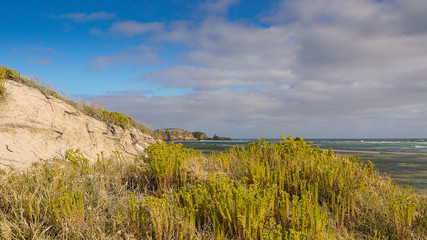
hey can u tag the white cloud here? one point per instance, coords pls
(334, 68)
(132, 28)
(215, 78)
(223, 54)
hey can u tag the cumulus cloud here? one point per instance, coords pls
(85, 17)
(332, 68)
(224, 54)
(214, 78)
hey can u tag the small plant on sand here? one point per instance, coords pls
(115, 118)
(7, 73)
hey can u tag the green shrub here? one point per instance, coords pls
(10, 74)
(7, 73)
(166, 163)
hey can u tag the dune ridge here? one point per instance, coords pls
(35, 126)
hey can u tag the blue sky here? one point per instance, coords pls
(311, 68)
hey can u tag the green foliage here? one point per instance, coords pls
(285, 190)
(115, 118)
(69, 212)
(166, 165)
(7, 73)
(246, 212)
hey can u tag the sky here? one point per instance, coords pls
(236, 68)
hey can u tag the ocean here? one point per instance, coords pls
(404, 160)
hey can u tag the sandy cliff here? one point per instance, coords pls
(35, 126)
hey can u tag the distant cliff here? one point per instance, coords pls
(175, 134)
(200, 136)
(216, 137)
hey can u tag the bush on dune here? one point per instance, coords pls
(7, 73)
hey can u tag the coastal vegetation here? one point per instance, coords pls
(285, 190)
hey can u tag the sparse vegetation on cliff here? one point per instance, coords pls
(94, 111)
(285, 190)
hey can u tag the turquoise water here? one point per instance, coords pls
(374, 145)
(404, 160)
(355, 145)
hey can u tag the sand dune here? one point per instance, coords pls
(35, 126)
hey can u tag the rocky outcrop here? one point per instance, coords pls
(175, 134)
(200, 136)
(35, 126)
(215, 137)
